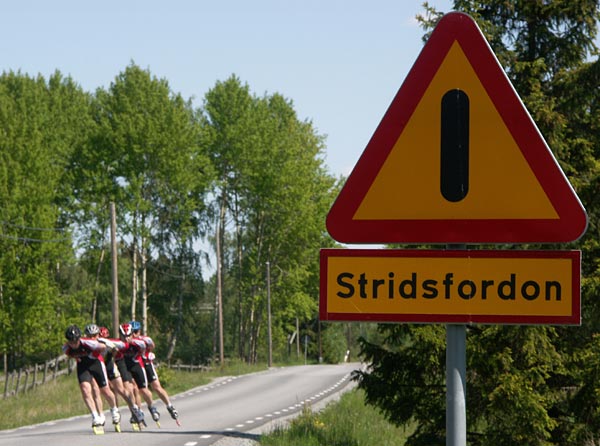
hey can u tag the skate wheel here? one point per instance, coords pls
(118, 427)
(98, 430)
(178, 422)
(136, 427)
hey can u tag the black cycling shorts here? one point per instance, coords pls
(138, 372)
(125, 375)
(151, 373)
(88, 369)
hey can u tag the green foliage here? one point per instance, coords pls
(167, 375)
(40, 124)
(273, 189)
(412, 362)
(334, 344)
(515, 368)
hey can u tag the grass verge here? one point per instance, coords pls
(348, 422)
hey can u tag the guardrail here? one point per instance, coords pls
(189, 368)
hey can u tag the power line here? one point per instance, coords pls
(33, 240)
(30, 228)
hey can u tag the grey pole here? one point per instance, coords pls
(456, 384)
(269, 336)
(456, 366)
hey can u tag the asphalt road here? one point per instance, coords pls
(227, 408)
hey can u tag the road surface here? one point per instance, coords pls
(227, 408)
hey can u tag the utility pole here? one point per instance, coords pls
(270, 362)
(115, 275)
(298, 338)
(220, 291)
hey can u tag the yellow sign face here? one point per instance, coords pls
(502, 184)
(514, 287)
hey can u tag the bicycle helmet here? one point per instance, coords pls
(73, 333)
(91, 330)
(104, 333)
(125, 329)
(135, 325)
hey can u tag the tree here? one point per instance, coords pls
(525, 385)
(41, 123)
(148, 146)
(271, 199)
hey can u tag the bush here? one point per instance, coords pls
(166, 375)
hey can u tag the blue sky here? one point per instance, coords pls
(339, 61)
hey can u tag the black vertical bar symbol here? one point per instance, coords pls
(454, 171)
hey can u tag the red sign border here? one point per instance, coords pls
(573, 319)
(572, 221)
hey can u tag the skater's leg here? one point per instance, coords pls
(88, 398)
(154, 383)
(164, 396)
(161, 392)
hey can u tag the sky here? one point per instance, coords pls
(340, 62)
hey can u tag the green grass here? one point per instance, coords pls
(62, 399)
(348, 422)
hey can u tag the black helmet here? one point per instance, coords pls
(91, 330)
(73, 333)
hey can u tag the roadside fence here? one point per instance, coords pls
(28, 378)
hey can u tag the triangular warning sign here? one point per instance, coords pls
(457, 158)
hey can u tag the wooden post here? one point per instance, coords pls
(18, 381)
(7, 378)
(115, 275)
(46, 365)
(27, 373)
(56, 369)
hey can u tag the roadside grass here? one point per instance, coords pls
(347, 422)
(62, 399)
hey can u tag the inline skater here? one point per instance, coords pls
(151, 373)
(128, 383)
(132, 352)
(90, 367)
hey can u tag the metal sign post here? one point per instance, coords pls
(456, 368)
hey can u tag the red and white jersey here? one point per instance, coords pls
(117, 344)
(147, 355)
(87, 348)
(134, 348)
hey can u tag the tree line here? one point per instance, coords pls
(233, 184)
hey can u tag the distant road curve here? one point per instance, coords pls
(230, 407)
